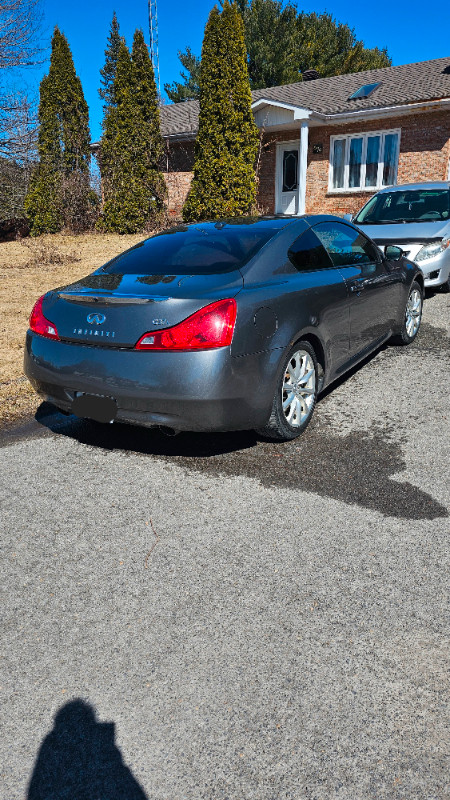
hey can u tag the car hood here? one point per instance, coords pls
(406, 232)
(116, 310)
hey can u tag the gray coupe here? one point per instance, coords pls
(225, 325)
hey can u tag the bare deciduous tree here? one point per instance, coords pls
(20, 22)
(17, 151)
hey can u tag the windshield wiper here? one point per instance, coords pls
(378, 221)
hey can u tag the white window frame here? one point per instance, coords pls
(364, 136)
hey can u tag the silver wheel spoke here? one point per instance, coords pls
(288, 400)
(292, 410)
(307, 376)
(297, 368)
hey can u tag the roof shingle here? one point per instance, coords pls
(408, 83)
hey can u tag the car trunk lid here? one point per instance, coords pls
(111, 310)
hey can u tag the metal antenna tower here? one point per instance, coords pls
(153, 26)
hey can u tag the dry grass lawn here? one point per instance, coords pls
(28, 268)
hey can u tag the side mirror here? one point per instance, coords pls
(393, 253)
(348, 217)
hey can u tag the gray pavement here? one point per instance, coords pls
(284, 634)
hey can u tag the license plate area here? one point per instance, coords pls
(95, 406)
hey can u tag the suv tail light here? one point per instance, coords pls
(40, 324)
(210, 327)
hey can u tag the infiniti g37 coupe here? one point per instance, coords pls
(225, 325)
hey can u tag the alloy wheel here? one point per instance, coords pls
(413, 313)
(299, 388)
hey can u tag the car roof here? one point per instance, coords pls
(416, 186)
(275, 221)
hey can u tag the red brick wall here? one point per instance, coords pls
(178, 156)
(178, 184)
(424, 155)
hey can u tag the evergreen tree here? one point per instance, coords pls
(227, 142)
(331, 47)
(108, 72)
(132, 145)
(282, 44)
(59, 192)
(178, 92)
(270, 38)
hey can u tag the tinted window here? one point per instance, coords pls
(290, 171)
(346, 245)
(307, 253)
(195, 250)
(410, 205)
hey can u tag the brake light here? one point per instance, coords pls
(210, 327)
(40, 324)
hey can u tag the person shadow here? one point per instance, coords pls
(79, 760)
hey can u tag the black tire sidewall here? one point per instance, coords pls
(277, 409)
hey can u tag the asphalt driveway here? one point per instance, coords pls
(210, 617)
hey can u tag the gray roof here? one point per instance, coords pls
(409, 83)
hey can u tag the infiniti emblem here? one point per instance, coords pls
(96, 317)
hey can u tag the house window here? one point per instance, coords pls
(363, 161)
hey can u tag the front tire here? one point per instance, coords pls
(295, 395)
(412, 318)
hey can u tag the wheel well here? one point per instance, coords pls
(419, 279)
(316, 344)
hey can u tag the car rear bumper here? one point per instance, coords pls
(192, 391)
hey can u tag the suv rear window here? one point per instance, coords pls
(195, 250)
(411, 205)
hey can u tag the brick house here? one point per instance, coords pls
(329, 143)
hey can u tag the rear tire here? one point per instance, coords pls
(295, 395)
(412, 318)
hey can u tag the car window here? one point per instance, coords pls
(410, 205)
(200, 249)
(308, 253)
(345, 245)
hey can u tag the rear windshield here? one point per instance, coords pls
(194, 250)
(414, 205)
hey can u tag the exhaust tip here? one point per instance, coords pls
(168, 431)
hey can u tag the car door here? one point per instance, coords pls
(321, 301)
(372, 288)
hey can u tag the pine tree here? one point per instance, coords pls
(132, 145)
(190, 88)
(59, 191)
(270, 37)
(281, 43)
(108, 72)
(331, 47)
(227, 141)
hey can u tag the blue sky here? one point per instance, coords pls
(409, 32)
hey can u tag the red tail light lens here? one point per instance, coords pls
(40, 324)
(210, 327)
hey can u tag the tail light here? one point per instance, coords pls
(210, 327)
(40, 324)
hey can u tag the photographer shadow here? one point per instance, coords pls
(79, 760)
